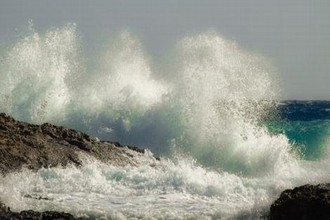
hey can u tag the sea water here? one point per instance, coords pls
(211, 111)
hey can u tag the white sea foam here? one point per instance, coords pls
(209, 109)
(35, 73)
(124, 85)
(177, 188)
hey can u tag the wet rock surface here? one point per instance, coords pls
(305, 202)
(24, 145)
(36, 146)
(6, 213)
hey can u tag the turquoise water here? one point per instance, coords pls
(200, 115)
(308, 137)
(307, 126)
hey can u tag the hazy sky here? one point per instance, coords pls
(294, 35)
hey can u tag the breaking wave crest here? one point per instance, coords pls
(207, 106)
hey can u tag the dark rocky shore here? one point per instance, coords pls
(35, 146)
(6, 213)
(24, 145)
(308, 202)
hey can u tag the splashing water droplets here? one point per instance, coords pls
(223, 92)
(209, 108)
(34, 75)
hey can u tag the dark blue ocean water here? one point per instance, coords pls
(306, 124)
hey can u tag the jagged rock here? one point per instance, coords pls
(306, 202)
(7, 214)
(35, 146)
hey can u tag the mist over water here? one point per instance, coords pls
(203, 115)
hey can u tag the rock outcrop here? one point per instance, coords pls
(306, 202)
(35, 146)
(7, 214)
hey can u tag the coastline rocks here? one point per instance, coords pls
(36, 146)
(5, 214)
(304, 202)
(24, 145)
